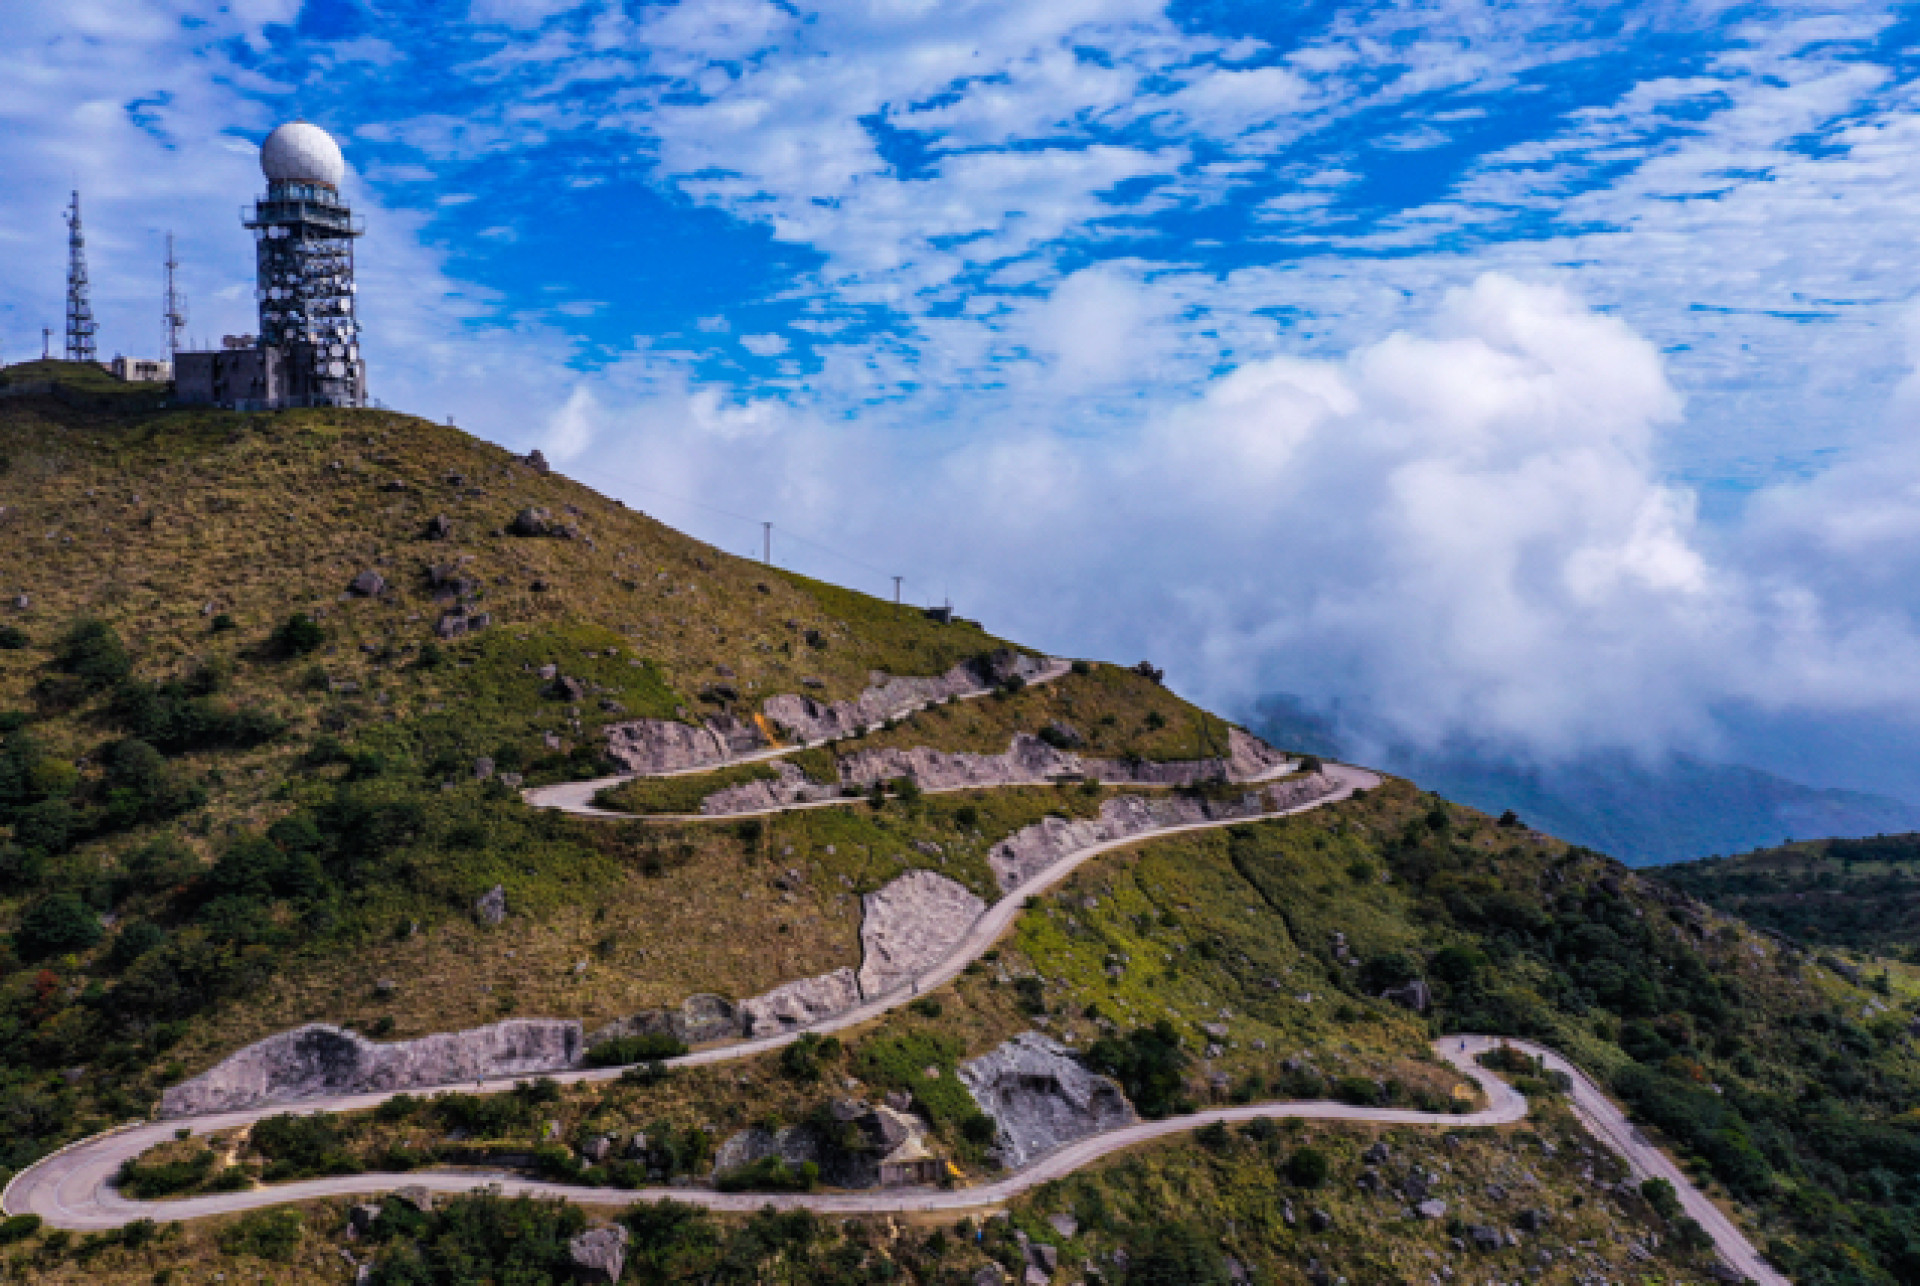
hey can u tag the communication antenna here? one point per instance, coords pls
(175, 317)
(80, 327)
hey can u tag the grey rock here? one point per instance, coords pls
(597, 1148)
(538, 462)
(452, 625)
(989, 1275)
(800, 1004)
(533, 521)
(361, 1217)
(1533, 1220)
(1040, 1097)
(482, 768)
(1319, 1220)
(492, 905)
(368, 584)
(1485, 1237)
(1375, 1155)
(439, 527)
(910, 925)
(1064, 1224)
(599, 1255)
(319, 1060)
(807, 720)
(416, 1196)
(1432, 1208)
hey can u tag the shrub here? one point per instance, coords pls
(164, 1178)
(646, 1074)
(1361, 1091)
(1176, 1254)
(55, 924)
(13, 639)
(1149, 1063)
(624, 1050)
(1308, 1168)
(298, 635)
(801, 1060)
(18, 1228)
(222, 622)
(770, 1174)
(92, 652)
(1659, 1194)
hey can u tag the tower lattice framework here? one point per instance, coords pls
(80, 325)
(304, 234)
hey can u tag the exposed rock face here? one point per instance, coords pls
(910, 925)
(318, 1059)
(1028, 852)
(798, 1004)
(1415, 995)
(1027, 761)
(1041, 1098)
(807, 720)
(368, 584)
(599, 1255)
(651, 746)
(699, 1018)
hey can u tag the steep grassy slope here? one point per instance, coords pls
(217, 819)
(1862, 894)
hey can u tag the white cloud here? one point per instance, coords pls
(764, 345)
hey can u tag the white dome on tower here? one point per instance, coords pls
(301, 153)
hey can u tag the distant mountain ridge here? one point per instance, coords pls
(1646, 814)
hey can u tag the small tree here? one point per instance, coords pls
(56, 923)
(1308, 1168)
(298, 635)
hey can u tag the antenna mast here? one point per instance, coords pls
(175, 317)
(80, 327)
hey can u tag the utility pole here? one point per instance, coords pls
(896, 588)
(174, 318)
(46, 342)
(766, 543)
(80, 327)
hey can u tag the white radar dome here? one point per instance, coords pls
(301, 153)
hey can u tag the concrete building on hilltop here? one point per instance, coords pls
(308, 350)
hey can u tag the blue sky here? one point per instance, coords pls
(1532, 372)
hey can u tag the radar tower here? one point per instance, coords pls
(80, 327)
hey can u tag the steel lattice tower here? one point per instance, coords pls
(174, 318)
(80, 327)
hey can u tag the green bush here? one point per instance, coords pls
(624, 1050)
(55, 924)
(1361, 1091)
(18, 1228)
(1308, 1168)
(298, 635)
(92, 653)
(801, 1060)
(164, 1178)
(13, 639)
(770, 1174)
(1149, 1063)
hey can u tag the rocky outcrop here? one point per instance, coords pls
(650, 747)
(599, 1255)
(1028, 852)
(491, 906)
(1027, 761)
(318, 1060)
(699, 1019)
(800, 1004)
(849, 1156)
(1041, 1098)
(805, 720)
(911, 925)
(654, 746)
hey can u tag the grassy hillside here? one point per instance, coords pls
(1862, 894)
(235, 796)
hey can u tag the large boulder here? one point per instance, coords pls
(910, 925)
(599, 1255)
(320, 1060)
(801, 1004)
(1040, 1097)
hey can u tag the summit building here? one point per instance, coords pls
(307, 352)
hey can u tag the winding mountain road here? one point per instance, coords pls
(74, 1187)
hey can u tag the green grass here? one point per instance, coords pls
(682, 795)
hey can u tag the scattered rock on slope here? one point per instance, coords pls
(599, 1255)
